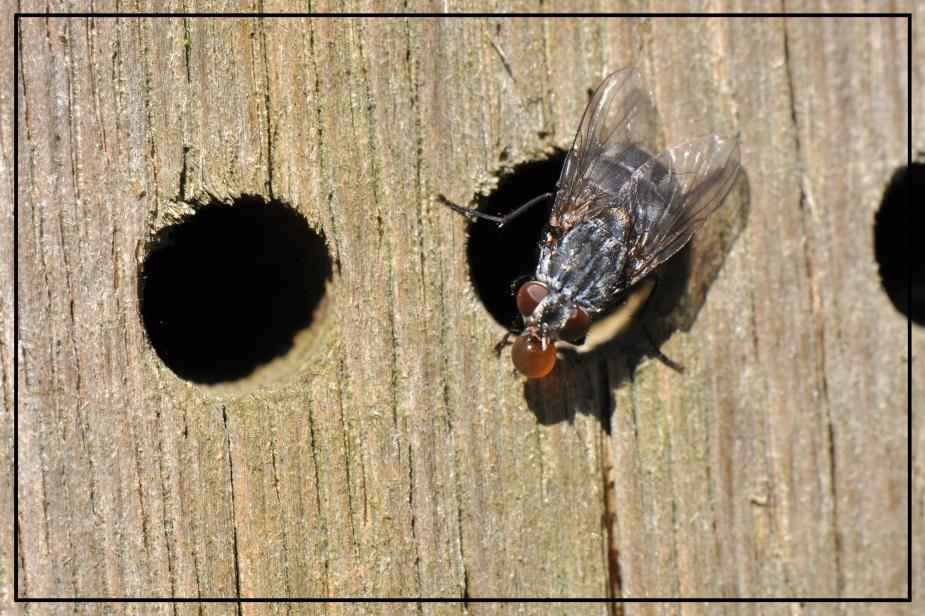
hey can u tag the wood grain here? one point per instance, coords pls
(398, 456)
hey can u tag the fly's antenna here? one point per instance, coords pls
(499, 220)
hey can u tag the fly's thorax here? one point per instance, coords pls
(589, 264)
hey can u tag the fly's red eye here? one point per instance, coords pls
(576, 327)
(531, 359)
(531, 293)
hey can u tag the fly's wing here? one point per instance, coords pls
(616, 127)
(670, 196)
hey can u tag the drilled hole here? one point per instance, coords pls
(891, 243)
(228, 289)
(499, 257)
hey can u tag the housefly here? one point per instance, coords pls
(619, 212)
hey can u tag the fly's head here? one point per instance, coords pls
(547, 318)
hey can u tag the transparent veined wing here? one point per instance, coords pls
(670, 196)
(617, 126)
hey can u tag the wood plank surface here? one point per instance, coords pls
(396, 455)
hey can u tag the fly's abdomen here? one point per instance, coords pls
(614, 169)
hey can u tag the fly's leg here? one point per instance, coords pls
(658, 352)
(516, 327)
(645, 328)
(504, 342)
(499, 220)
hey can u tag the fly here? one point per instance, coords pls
(619, 212)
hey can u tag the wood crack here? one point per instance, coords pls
(414, 534)
(148, 103)
(313, 447)
(806, 209)
(323, 163)
(234, 520)
(347, 456)
(165, 513)
(187, 45)
(266, 102)
(608, 476)
(194, 548)
(284, 544)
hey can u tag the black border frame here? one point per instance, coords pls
(17, 598)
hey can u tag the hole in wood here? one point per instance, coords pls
(230, 288)
(891, 242)
(498, 257)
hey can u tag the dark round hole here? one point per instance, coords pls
(893, 224)
(499, 257)
(227, 289)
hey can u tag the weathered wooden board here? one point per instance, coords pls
(398, 456)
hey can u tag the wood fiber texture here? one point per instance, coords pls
(397, 456)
